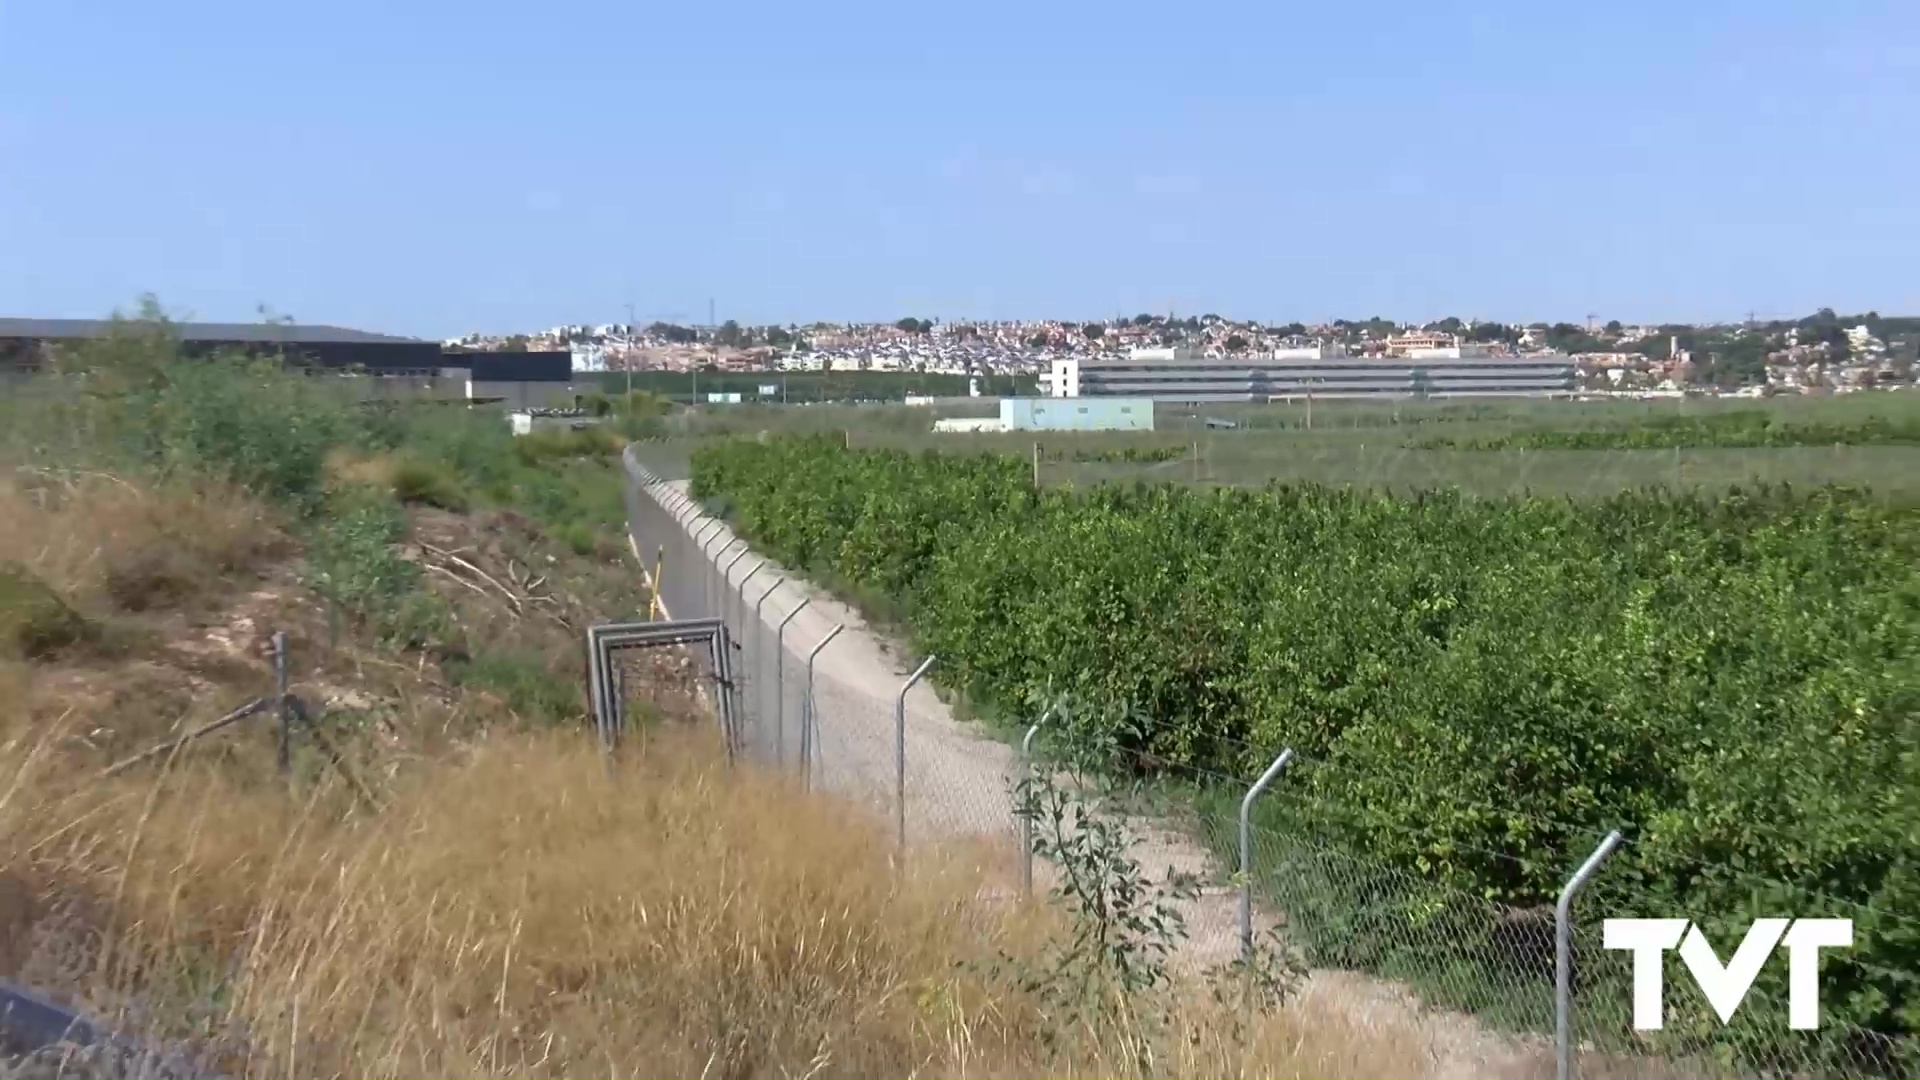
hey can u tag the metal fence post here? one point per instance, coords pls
(1026, 817)
(619, 709)
(808, 723)
(760, 635)
(700, 541)
(747, 643)
(900, 750)
(710, 572)
(1563, 953)
(723, 586)
(708, 558)
(703, 565)
(285, 756)
(1246, 850)
(780, 667)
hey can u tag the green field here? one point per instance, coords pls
(1384, 446)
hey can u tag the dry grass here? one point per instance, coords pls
(106, 544)
(409, 478)
(518, 908)
(528, 911)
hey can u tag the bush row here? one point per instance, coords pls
(1482, 687)
(1735, 429)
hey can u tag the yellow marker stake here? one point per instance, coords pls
(653, 605)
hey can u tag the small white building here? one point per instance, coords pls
(970, 423)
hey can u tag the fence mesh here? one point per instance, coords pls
(1380, 940)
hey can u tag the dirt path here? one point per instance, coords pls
(959, 784)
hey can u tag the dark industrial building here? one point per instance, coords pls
(397, 366)
(521, 380)
(315, 346)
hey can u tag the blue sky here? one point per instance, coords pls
(430, 167)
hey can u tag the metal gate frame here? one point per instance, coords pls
(608, 703)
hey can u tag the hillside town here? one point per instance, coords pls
(1823, 352)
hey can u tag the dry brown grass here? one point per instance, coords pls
(109, 544)
(408, 478)
(518, 907)
(528, 911)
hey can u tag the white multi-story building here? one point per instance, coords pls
(1181, 375)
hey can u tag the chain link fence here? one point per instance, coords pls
(1481, 979)
(822, 703)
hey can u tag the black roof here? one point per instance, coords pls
(239, 333)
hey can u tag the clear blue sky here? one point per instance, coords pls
(429, 167)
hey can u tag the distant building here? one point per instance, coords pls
(1086, 414)
(970, 423)
(1050, 414)
(381, 366)
(523, 380)
(1180, 375)
(310, 346)
(589, 357)
(1420, 342)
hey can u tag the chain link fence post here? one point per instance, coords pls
(779, 690)
(1246, 850)
(723, 584)
(740, 589)
(780, 670)
(1026, 807)
(706, 567)
(808, 736)
(1563, 954)
(697, 538)
(900, 750)
(744, 633)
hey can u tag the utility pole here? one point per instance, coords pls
(626, 361)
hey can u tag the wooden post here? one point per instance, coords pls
(1036, 466)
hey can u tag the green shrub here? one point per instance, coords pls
(427, 482)
(353, 561)
(578, 537)
(530, 690)
(1733, 429)
(138, 400)
(592, 441)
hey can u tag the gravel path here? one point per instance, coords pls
(959, 782)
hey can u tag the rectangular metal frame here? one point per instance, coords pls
(604, 694)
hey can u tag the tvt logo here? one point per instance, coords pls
(1726, 985)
